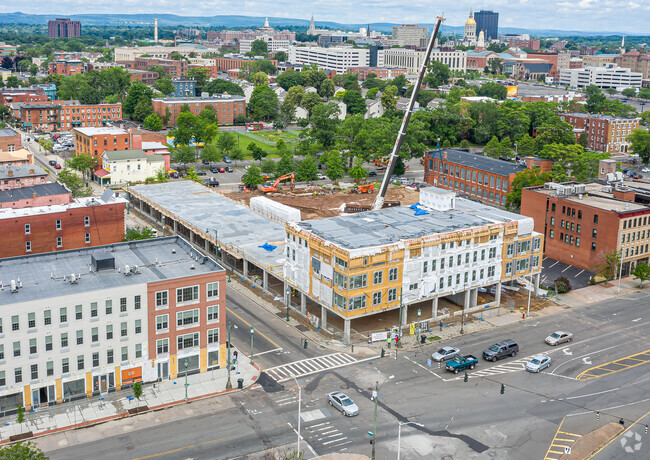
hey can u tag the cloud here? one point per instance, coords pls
(584, 15)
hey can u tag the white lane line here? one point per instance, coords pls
(334, 440)
(268, 351)
(593, 394)
(428, 370)
(635, 320)
(557, 262)
(318, 424)
(609, 408)
(578, 273)
(568, 266)
(303, 439)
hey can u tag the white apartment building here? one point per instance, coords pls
(84, 322)
(412, 59)
(611, 76)
(134, 165)
(334, 58)
(410, 34)
(160, 52)
(274, 42)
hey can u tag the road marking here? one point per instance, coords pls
(561, 440)
(309, 366)
(578, 273)
(586, 360)
(565, 351)
(301, 439)
(267, 351)
(249, 325)
(603, 370)
(620, 434)
(426, 369)
(554, 264)
(568, 266)
(609, 408)
(635, 320)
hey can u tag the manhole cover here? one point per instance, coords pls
(302, 328)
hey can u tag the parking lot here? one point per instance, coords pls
(553, 269)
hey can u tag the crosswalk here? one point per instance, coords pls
(324, 435)
(310, 366)
(561, 444)
(504, 368)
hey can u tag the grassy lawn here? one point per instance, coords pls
(266, 140)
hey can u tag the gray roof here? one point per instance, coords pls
(131, 154)
(487, 164)
(41, 275)
(28, 192)
(7, 132)
(21, 171)
(239, 228)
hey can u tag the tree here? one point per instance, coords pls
(226, 142)
(152, 122)
(210, 153)
(257, 152)
(164, 85)
(281, 147)
(584, 167)
(220, 86)
(562, 284)
(47, 144)
(505, 149)
(644, 93)
(288, 79)
(354, 102)
(20, 417)
(309, 101)
(464, 144)
(326, 89)
(139, 233)
(389, 97)
(259, 79)
(24, 451)
(437, 74)
(493, 90)
(75, 184)
(259, 48)
(629, 92)
(184, 130)
(81, 163)
(357, 172)
(641, 272)
(294, 95)
(523, 179)
(640, 144)
(371, 94)
(526, 146)
(280, 56)
(286, 165)
(307, 169)
(142, 109)
(263, 65)
(583, 140)
(89, 95)
(183, 154)
(324, 124)
(137, 390)
(263, 103)
(609, 269)
(268, 166)
(200, 76)
(335, 170)
(492, 148)
(252, 177)
(136, 91)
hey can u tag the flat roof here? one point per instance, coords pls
(131, 154)
(7, 132)
(45, 275)
(19, 171)
(11, 213)
(232, 97)
(596, 197)
(487, 164)
(24, 193)
(237, 225)
(108, 130)
(597, 116)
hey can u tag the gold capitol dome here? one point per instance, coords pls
(470, 20)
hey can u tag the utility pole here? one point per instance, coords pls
(417, 336)
(252, 333)
(185, 379)
(375, 395)
(399, 434)
(228, 383)
(299, 404)
(288, 300)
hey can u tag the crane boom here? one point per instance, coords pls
(379, 201)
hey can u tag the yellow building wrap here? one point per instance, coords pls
(118, 378)
(173, 367)
(223, 355)
(27, 397)
(59, 391)
(203, 359)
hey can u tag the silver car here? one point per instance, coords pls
(558, 337)
(343, 403)
(538, 363)
(445, 353)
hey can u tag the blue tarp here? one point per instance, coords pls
(415, 206)
(267, 247)
(420, 212)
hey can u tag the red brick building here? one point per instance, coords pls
(95, 141)
(63, 28)
(10, 140)
(604, 133)
(62, 116)
(225, 63)
(30, 96)
(227, 107)
(583, 223)
(66, 67)
(173, 68)
(532, 43)
(19, 176)
(383, 73)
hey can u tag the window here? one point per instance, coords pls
(109, 331)
(50, 368)
(80, 362)
(3, 380)
(95, 357)
(59, 242)
(109, 357)
(552, 207)
(550, 234)
(32, 347)
(58, 224)
(138, 350)
(31, 320)
(93, 309)
(442, 282)
(48, 343)
(80, 337)
(378, 276)
(537, 244)
(553, 221)
(376, 298)
(492, 253)
(18, 374)
(213, 313)
(87, 240)
(122, 304)
(593, 246)
(357, 302)
(341, 281)
(595, 219)
(341, 263)
(109, 307)
(213, 290)
(78, 312)
(187, 294)
(28, 229)
(65, 365)
(125, 353)
(16, 349)
(86, 221)
(162, 322)
(577, 242)
(28, 246)
(535, 261)
(578, 228)
(358, 281)
(94, 335)
(162, 346)
(188, 341)
(594, 233)
(162, 298)
(188, 317)
(392, 274)
(213, 336)
(63, 314)
(123, 329)
(138, 326)
(451, 261)
(392, 295)
(64, 340)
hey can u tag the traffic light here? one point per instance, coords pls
(503, 388)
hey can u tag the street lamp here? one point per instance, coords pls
(252, 333)
(399, 330)
(620, 273)
(530, 291)
(185, 379)
(228, 383)
(399, 434)
(299, 404)
(288, 299)
(375, 397)
(417, 337)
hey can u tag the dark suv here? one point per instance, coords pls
(501, 350)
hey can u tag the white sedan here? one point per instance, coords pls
(558, 337)
(538, 363)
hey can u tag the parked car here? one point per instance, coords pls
(501, 350)
(445, 353)
(200, 172)
(558, 337)
(646, 170)
(205, 162)
(227, 159)
(214, 170)
(321, 176)
(342, 402)
(211, 182)
(461, 363)
(538, 363)
(52, 162)
(229, 169)
(57, 166)
(221, 170)
(372, 173)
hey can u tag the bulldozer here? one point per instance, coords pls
(274, 187)
(363, 188)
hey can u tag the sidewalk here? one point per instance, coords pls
(116, 405)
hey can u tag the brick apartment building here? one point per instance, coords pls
(227, 106)
(173, 68)
(532, 43)
(10, 140)
(583, 223)
(636, 62)
(95, 141)
(223, 64)
(66, 67)
(44, 218)
(604, 133)
(19, 176)
(65, 115)
(63, 28)
(381, 72)
(477, 177)
(7, 97)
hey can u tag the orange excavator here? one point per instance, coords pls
(274, 187)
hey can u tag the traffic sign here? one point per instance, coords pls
(429, 362)
(567, 450)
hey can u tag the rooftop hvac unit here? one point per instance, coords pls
(610, 177)
(580, 188)
(607, 188)
(619, 175)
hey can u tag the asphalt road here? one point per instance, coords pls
(460, 419)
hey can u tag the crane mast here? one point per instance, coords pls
(379, 201)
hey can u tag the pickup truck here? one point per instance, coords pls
(461, 363)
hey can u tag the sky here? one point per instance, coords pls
(630, 17)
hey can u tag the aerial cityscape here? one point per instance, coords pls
(340, 232)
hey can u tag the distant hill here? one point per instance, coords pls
(172, 20)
